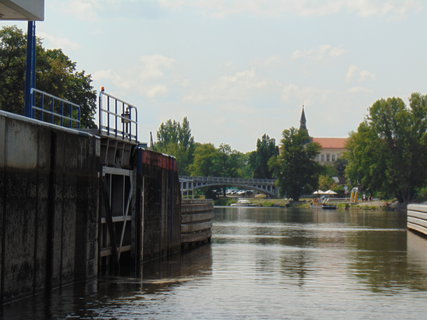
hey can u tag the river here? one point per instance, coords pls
(266, 263)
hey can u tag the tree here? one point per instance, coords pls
(206, 161)
(295, 167)
(340, 165)
(176, 139)
(326, 183)
(388, 153)
(258, 160)
(56, 74)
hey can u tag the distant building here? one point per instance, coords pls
(332, 148)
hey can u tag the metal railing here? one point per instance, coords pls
(117, 118)
(49, 108)
(227, 180)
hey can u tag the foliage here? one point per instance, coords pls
(326, 183)
(222, 162)
(388, 153)
(231, 162)
(56, 74)
(340, 165)
(175, 139)
(205, 161)
(258, 160)
(295, 167)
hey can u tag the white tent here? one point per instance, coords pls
(319, 192)
(330, 192)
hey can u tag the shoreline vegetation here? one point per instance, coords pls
(307, 203)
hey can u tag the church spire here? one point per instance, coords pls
(303, 121)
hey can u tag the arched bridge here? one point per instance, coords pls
(266, 186)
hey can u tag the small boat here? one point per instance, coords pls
(242, 203)
(329, 206)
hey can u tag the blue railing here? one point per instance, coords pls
(117, 118)
(48, 108)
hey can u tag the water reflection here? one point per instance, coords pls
(121, 297)
(266, 264)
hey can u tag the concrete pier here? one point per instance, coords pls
(48, 206)
(196, 221)
(417, 218)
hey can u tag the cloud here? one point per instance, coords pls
(59, 42)
(83, 9)
(304, 95)
(238, 86)
(357, 90)
(93, 9)
(277, 8)
(355, 73)
(147, 77)
(320, 53)
(153, 66)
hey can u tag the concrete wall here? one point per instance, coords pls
(158, 183)
(417, 218)
(22, 9)
(48, 206)
(196, 221)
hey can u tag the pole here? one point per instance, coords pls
(30, 75)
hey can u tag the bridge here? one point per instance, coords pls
(267, 186)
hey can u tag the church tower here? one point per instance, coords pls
(303, 121)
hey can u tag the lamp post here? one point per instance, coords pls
(30, 75)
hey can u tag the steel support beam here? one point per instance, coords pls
(30, 75)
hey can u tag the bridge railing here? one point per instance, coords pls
(226, 180)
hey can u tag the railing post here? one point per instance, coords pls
(30, 78)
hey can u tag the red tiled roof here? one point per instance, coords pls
(331, 143)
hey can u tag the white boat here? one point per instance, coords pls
(243, 203)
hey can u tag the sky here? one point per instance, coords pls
(240, 68)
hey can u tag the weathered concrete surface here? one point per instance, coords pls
(48, 206)
(196, 221)
(158, 183)
(417, 218)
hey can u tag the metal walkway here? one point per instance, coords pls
(267, 186)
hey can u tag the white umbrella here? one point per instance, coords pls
(319, 192)
(330, 192)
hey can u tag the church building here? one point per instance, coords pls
(331, 148)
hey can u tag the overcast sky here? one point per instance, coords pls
(241, 68)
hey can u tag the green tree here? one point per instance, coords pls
(340, 165)
(326, 183)
(56, 74)
(231, 162)
(258, 159)
(295, 167)
(218, 162)
(206, 161)
(176, 139)
(388, 153)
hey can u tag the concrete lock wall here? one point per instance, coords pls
(48, 206)
(160, 203)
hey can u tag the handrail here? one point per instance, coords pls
(117, 118)
(226, 179)
(60, 112)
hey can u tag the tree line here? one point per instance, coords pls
(386, 156)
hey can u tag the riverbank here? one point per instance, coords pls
(306, 203)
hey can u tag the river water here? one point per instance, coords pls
(266, 264)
